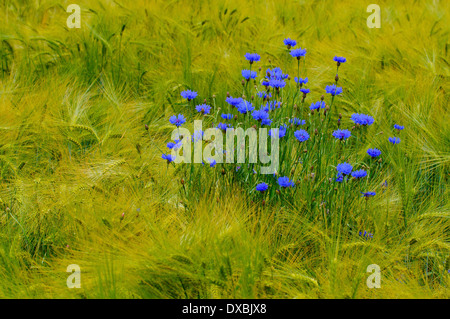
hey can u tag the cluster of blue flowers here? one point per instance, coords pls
(252, 57)
(396, 140)
(245, 106)
(262, 116)
(342, 134)
(333, 89)
(267, 101)
(203, 108)
(345, 169)
(177, 120)
(373, 152)
(275, 79)
(189, 95)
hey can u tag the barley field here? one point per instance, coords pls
(86, 115)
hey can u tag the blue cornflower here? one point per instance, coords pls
(203, 108)
(368, 194)
(189, 95)
(178, 121)
(212, 162)
(339, 177)
(289, 43)
(285, 182)
(342, 134)
(262, 187)
(394, 140)
(300, 80)
(374, 152)
(245, 107)
(175, 146)
(234, 101)
(398, 127)
(298, 53)
(359, 174)
(223, 126)
(252, 57)
(339, 59)
(344, 168)
(281, 131)
(297, 121)
(301, 135)
(305, 91)
(247, 74)
(264, 95)
(260, 115)
(168, 157)
(362, 119)
(317, 105)
(333, 89)
(227, 116)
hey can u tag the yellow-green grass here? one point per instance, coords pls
(74, 154)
